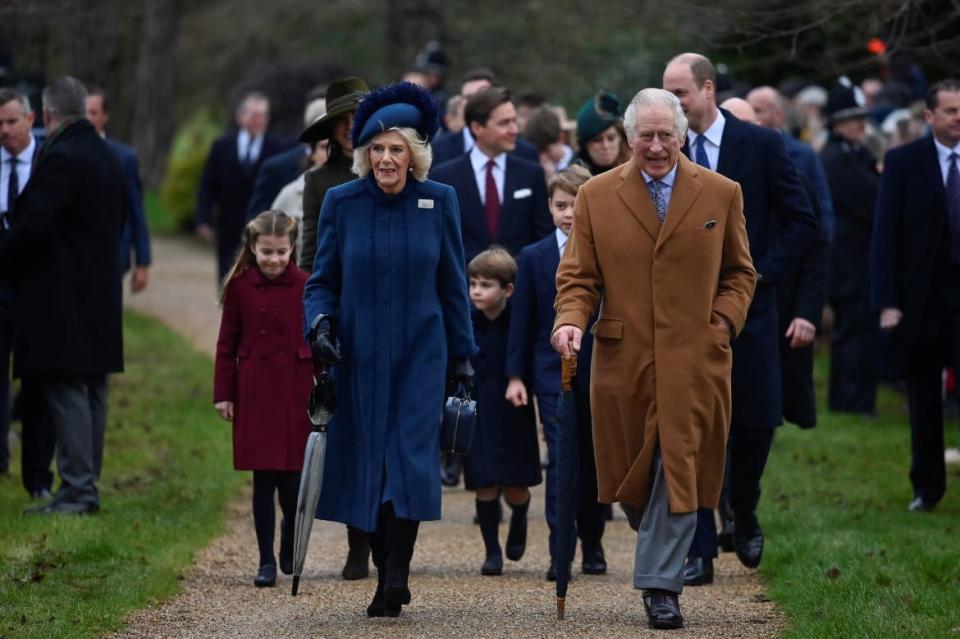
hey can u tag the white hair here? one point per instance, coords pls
(421, 154)
(649, 98)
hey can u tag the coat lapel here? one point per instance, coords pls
(932, 170)
(509, 188)
(731, 146)
(634, 193)
(471, 195)
(685, 191)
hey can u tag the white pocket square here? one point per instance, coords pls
(519, 194)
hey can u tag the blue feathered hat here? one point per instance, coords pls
(403, 104)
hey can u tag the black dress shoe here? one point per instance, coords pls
(594, 563)
(492, 565)
(56, 507)
(918, 505)
(266, 576)
(749, 549)
(663, 609)
(698, 571)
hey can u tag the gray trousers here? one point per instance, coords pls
(663, 539)
(77, 407)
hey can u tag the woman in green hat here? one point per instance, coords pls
(343, 97)
(600, 134)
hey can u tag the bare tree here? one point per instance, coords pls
(153, 119)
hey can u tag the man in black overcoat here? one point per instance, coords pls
(781, 226)
(62, 254)
(229, 175)
(915, 278)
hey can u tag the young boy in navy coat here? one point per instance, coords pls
(529, 356)
(505, 454)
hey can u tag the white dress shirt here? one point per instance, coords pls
(943, 157)
(468, 141)
(713, 136)
(561, 240)
(24, 164)
(245, 143)
(479, 161)
(666, 184)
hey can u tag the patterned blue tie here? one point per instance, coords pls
(659, 202)
(702, 159)
(953, 207)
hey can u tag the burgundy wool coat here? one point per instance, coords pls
(265, 368)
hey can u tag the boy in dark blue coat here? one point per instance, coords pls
(505, 454)
(530, 356)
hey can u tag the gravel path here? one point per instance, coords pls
(450, 598)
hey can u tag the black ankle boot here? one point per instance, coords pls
(488, 516)
(358, 557)
(517, 536)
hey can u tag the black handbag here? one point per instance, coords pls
(459, 422)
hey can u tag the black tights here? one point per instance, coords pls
(265, 484)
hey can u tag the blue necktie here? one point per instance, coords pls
(702, 159)
(659, 202)
(953, 207)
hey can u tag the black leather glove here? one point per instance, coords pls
(323, 343)
(462, 372)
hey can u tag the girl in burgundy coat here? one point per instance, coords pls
(263, 377)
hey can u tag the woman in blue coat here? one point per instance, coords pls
(387, 306)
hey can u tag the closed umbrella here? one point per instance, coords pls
(568, 462)
(320, 409)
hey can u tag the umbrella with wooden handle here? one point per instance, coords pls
(568, 461)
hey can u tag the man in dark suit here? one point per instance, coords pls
(62, 255)
(229, 174)
(285, 167)
(17, 151)
(754, 157)
(503, 198)
(801, 293)
(451, 145)
(136, 234)
(915, 285)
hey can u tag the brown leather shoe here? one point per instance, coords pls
(663, 609)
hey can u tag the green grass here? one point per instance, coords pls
(844, 558)
(167, 476)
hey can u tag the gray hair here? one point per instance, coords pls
(649, 98)
(9, 95)
(421, 155)
(251, 96)
(65, 97)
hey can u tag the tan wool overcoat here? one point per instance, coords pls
(660, 369)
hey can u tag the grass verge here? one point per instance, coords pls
(167, 476)
(844, 557)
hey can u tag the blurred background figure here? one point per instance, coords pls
(228, 177)
(600, 135)
(453, 115)
(854, 340)
(544, 132)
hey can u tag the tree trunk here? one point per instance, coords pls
(153, 125)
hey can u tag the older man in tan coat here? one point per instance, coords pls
(660, 246)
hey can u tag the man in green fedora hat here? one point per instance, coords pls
(343, 96)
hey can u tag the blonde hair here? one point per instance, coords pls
(568, 180)
(496, 264)
(269, 223)
(421, 155)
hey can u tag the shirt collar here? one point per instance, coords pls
(666, 179)
(468, 141)
(561, 240)
(715, 133)
(479, 160)
(24, 156)
(943, 151)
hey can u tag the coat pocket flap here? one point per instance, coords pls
(243, 351)
(610, 328)
(304, 352)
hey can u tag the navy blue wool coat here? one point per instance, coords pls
(505, 450)
(391, 269)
